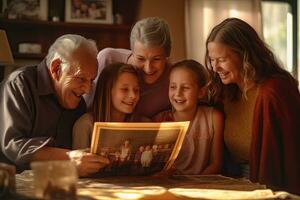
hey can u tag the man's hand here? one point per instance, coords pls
(87, 163)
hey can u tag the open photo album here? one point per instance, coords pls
(138, 148)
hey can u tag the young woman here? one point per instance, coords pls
(261, 103)
(202, 149)
(117, 94)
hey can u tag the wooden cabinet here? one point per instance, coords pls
(45, 33)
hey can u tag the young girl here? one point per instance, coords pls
(202, 149)
(116, 96)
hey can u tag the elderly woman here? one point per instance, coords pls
(261, 102)
(151, 46)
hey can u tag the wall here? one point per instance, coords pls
(173, 12)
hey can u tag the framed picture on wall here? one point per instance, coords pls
(25, 9)
(89, 11)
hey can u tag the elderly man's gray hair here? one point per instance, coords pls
(65, 45)
(152, 32)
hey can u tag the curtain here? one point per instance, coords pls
(202, 15)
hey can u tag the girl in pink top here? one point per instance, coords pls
(117, 94)
(202, 149)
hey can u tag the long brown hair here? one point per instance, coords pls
(103, 101)
(259, 63)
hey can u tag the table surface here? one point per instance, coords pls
(147, 188)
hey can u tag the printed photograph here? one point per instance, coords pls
(26, 9)
(89, 11)
(138, 148)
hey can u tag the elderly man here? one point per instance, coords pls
(39, 105)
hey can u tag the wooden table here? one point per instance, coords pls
(147, 188)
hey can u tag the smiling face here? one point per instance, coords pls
(226, 63)
(125, 94)
(184, 90)
(72, 83)
(151, 60)
(141, 148)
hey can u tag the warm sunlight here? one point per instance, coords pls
(114, 192)
(221, 194)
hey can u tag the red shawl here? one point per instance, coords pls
(275, 148)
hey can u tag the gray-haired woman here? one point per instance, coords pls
(150, 48)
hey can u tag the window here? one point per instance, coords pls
(279, 19)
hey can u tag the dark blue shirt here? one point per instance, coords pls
(31, 116)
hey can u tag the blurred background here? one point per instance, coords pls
(32, 26)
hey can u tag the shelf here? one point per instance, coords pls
(17, 55)
(45, 33)
(17, 24)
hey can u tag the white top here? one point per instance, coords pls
(195, 153)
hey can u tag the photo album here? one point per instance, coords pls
(138, 148)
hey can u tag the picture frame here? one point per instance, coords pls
(138, 148)
(25, 9)
(89, 11)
